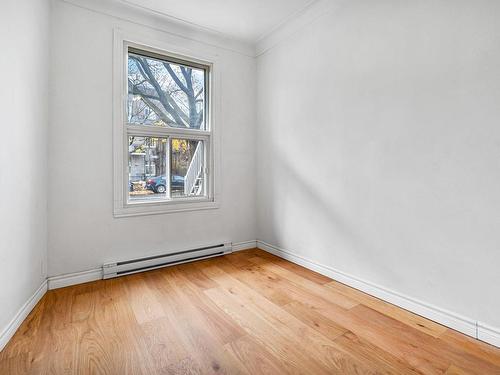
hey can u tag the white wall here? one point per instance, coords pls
(24, 37)
(379, 148)
(82, 231)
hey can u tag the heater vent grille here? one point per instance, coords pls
(131, 266)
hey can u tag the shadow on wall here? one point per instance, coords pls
(300, 202)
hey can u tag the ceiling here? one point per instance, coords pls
(246, 20)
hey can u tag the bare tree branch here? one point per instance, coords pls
(175, 77)
(188, 74)
(134, 90)
(168, 106)
(162, 97)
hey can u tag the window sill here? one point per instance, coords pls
(155, 208)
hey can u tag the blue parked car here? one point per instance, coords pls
(159, 184)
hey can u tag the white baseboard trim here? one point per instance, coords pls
(449, 319)
(238, 246)
(488, 334)
(61, 281)
(21, 315)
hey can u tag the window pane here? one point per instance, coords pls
(187, 162)
(164, 93)
(147, 161)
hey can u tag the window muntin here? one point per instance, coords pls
(167, 128)
(166, 92)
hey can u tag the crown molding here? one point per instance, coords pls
(295, 23)
(291, 16)
(125, 11)
(173, 18)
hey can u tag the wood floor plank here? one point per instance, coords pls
(349, 342)
(277, 289)
(413, 320)
(290, 357)
(311, 287)
(269, 285)
(402, 341)
(426, 349)
(246, 313)
(197, 277)
(146, 308)
(83, 306)
(216, 321)
(162, 344)
(327, 327)
(472, 346)
(192, 326)
(111, 324)
(372, 354)
(295, 268)
(454, 370)
(122, 331)
(254, 357)
(188, 366)
(239, 259)
(313, 343)
(28, 332)
(16, 364)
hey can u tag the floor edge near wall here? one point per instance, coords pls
(467, 326)
(21, 315)
(65, 280)
(75, 278)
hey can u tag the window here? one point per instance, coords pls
(165, 132)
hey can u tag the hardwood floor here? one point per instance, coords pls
(245, 313)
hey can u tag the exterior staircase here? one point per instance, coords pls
(193, 182)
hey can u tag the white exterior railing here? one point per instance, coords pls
(194, 170)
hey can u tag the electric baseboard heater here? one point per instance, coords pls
(127, 267)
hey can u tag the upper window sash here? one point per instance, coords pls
(167, 57)
(166, 91)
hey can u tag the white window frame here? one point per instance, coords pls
(121, 130)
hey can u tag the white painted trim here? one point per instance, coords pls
(488, 334)
(150, 208)
(21, 315)
(75, 278)
(124, 11)
(61, 281)
(284, 21)
(447, 318)
(122, 39)
(294, 24)
(245, 245)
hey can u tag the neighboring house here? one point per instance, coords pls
(144, 159)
